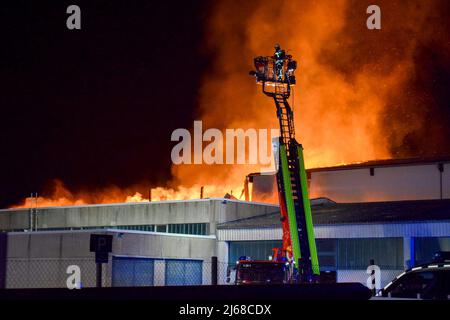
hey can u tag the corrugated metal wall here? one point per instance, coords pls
(372, 230)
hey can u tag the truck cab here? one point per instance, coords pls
(251, 272)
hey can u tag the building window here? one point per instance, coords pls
(326, 252)
(261, 250)
(425, 248)
(355, 254)
(161, 228)
(143, 227)
(188, 228)
(256, 250)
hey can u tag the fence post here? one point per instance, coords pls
(214, 271)
(99, 275)
(374, 289)
(3, 259)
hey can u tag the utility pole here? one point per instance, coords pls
(33, 217)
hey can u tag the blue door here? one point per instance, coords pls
(183, 272)
(132, 272)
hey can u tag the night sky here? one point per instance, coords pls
(96, 107)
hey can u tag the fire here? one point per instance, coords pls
(346, 80)
(62, 196)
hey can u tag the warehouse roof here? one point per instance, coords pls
(386, 163)
(348, 213)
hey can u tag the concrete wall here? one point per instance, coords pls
(111, 215)
(389, 183)
(40, 259)
(75, 244)
(446, 181)
(226, 210)
(168, 212)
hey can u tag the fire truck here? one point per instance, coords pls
(296, 261)
(248, 271)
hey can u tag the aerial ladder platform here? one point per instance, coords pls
(276, 75)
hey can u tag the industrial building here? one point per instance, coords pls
(172, 242)
(385, 180)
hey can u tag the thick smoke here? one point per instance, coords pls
(361, 95)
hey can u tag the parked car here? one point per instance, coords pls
(428, 281)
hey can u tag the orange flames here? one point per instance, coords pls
(61, 196)
(340, 98)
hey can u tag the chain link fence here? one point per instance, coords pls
(360, 275)
(133, 272)
(50, 272)
(119, 272)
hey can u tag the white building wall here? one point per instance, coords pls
(222, 257)
(362, 275)
(389, 183)
(212, 211)
(446, 181)
(40, 259)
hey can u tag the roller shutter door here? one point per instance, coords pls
(183, 272)
(132, 272)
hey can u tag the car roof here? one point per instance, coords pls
(432, 265)
(421, 268)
